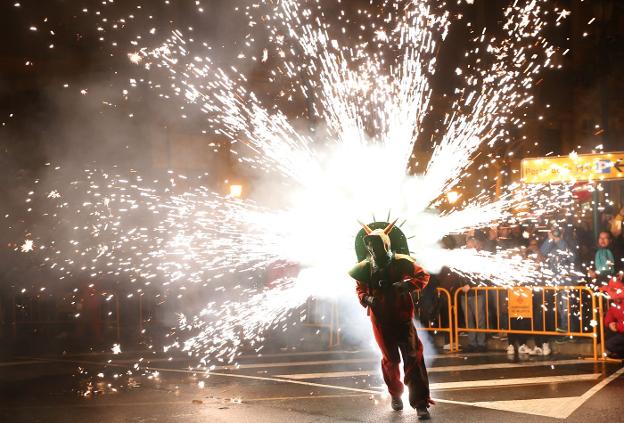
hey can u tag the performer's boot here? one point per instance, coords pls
(423, 413)
(397, 403)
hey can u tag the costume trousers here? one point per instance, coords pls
(397, 341)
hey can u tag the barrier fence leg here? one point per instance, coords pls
(595, 332)
(601, 323)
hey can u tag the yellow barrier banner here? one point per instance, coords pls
(573, 168)
(521, 302)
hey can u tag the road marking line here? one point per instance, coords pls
(486, 383)
(124, 360)
(594, 390)
(297, 363)
(556, 407)
(329, 375)
(97, 405)
(469, 384)
(337, 361)
(298, 353)
(271, 379)
(560, 408)
(467, 367)
(244, 400)
(369, 391)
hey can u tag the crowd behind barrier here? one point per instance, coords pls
(519, 311)
(571, 300)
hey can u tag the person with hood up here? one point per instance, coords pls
(385, 281)
(614, 319)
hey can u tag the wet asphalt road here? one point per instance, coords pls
(305, 387)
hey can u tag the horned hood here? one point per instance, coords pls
(378, 244)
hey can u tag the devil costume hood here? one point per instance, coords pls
(381, 269)
(381, 255)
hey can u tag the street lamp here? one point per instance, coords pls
(236, 191)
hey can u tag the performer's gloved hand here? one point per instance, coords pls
(404, 286)
(369, 301)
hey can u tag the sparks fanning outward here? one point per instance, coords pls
(368, 93)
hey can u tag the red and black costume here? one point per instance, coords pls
(384, 284)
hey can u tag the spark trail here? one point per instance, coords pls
(368, 89)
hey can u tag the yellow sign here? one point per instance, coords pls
(520, 302)
(573, 168)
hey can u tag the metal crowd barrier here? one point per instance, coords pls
(316, 308)
(573, 298)
(436, 325)
(544, 316)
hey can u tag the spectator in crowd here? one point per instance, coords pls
(571, 237)
(542, 345)
(491, 243)
(559, 266)
(476, 309)
(614, 320)
(496, 298)
(585, 236)
(617, 231)
(449, 281)
(604, 260)
(518, 342)
(606, 219)
(532, 251)
(515, 236)
(504, 238)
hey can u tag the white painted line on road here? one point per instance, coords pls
(548, 407)
(297, 363)
(488, 383)
(122, 359)
(244, 400)
(469, 384)
(441, 369)
(329, 375)
(301, 353)
(337, 361)
(587, 395)
(559, 407)
(271, 379)
(382, 392)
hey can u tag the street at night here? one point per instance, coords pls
(340, 386)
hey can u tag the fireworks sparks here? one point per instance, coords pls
(27, 246)
(116, 349)
(369, 92)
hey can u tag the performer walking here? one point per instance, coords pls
(385, 281)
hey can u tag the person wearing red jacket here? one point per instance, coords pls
(614, 319)
(385, 281)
